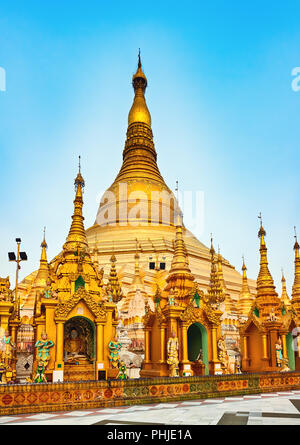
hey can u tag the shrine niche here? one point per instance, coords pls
(79, 340)
(198, 344)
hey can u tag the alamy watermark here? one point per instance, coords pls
(296, 81)
(2, 79)
(127, 206)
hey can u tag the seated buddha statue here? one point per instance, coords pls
(75, 347)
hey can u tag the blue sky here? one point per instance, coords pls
(224, 116)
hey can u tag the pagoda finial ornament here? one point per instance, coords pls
(137, 279)
(245, 300)
(284, 295)
(228, 300)
(43, 272)
(267, 297)
(215, 293)
(180, 277)
(139, 111)
(113, 281)
(77, 237)
(296, 285)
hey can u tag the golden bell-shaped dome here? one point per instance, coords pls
(139, 111)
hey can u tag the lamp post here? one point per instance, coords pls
(21, 256)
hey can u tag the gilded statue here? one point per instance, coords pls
(272, 316)
(75, 346)
(5, 292)
(172, 349)
(278, 349)
(2, 372)
(284, 365)
(43, 345)
(222, 355)
(114, 352)
(122, 371)
(40, 373)
(238, 364)
(7, 348)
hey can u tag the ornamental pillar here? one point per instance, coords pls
(214, 344)
(184, 344)
(59, 364)
(264, 345)
(284, 348)
(147, 346)
(162, 343)
(100, 343)
(246, 347)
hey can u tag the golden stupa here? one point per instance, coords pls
(139, 208)
(139, 213)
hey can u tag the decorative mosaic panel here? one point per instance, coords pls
(47, 397)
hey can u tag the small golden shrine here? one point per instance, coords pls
(186, 318)
(266, 337)
(73, 311)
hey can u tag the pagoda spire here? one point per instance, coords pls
(267, 298)
(220, 270)
(180, 262)
(265, 283)
(228, 300)
(77, 237)
(139, 155)
(180, 277)
(284, 295)
(43, 272)
(215, 291)
(139, 111)
(245, 300)
(296, 285)
(113, 281)
(137, 279)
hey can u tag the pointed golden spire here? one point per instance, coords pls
(296, 285)
(180, 262)
(245, 300)
(139, 155)
(220, 269)
(228, 300)
(265, 283)
(284, 295)
(76, 237)
(215, 291)
(180, 277)
(113, 281)
(137, 279)
(43, 272)
(139, 111)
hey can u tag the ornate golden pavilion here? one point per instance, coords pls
(72, 308)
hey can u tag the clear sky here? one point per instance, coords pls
(224, 115)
